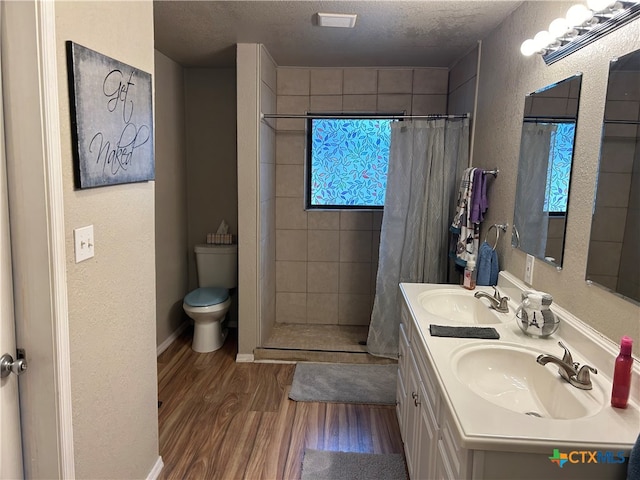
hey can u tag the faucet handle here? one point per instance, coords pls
(502, 305)
(583, 374)
(497, 296)
(567, 358)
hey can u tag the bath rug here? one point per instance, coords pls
(324, 465)
(488, 333)
(344, 383)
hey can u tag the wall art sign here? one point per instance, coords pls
(112, 119)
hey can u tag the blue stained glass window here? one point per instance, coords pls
(348, 162)
(559, 170)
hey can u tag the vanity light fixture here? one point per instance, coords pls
(342, 20)
(582, 25)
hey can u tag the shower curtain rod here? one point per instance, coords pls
(360, 116)
(533, 119)
(623, 122)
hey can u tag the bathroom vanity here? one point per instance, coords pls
(473, 408)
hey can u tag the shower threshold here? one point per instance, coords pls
(318, 343)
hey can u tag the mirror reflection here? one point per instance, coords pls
(614, 253)
(544, 169)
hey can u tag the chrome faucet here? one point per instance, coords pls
(497, 302)
(568, 369)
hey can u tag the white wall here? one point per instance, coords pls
(196, 176)
(248, 130)
(505, 78)
(212, 193)
(112, 301)
(462, 84)
(170, 198)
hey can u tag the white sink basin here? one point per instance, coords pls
(509, 376)
(460, 306)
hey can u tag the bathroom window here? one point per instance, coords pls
(347, 162)
(559, 170)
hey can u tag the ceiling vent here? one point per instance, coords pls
(341, 20)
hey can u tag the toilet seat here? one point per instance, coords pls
(206, 297)
(207, 307)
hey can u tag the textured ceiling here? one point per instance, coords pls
(387, 33)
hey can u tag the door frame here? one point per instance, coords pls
(36, 209)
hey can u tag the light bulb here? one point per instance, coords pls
(578, 15)
(600, 5)
(558, 28)
(543, 39)
(528, 47)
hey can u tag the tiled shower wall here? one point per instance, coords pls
(613, 249)
(326, 261)
(267, 197)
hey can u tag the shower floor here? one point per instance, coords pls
(318, 343)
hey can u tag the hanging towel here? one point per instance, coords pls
(487, 265)
(464, 194)
(465, 232)
(478, 197)
(484, 202)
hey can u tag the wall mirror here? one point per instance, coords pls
(544, 169)
(614, 255)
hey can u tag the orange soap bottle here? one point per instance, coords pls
(622, 374)
(470, 274)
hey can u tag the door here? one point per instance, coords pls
(36, 211)
(10, 439)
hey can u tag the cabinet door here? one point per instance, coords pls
(443, 470)
(412, 417)
(427, 437)
(401, 390)
(401, 394)
(459, 459)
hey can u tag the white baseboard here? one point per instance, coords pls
(157, 468)
(172, 338)
(244, 358)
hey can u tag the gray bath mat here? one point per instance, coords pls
(323, 465)
(344, 383)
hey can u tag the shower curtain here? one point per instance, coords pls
(425, 165)
(530, 218)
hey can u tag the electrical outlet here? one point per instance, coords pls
(528, 270)
(84, 243)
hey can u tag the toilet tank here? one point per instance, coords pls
(217, 265)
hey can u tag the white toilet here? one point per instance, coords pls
(217, 267)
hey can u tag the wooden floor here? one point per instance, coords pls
(225, 420)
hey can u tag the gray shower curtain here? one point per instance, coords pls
(426, 161)
(529, 217)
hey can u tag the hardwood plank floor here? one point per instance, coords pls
(225, 420)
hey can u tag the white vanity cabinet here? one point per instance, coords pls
(433, 441)
(431, 449)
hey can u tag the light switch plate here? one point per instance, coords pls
(83, 238)
(528, 270)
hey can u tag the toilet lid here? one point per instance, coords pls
(206, 296)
